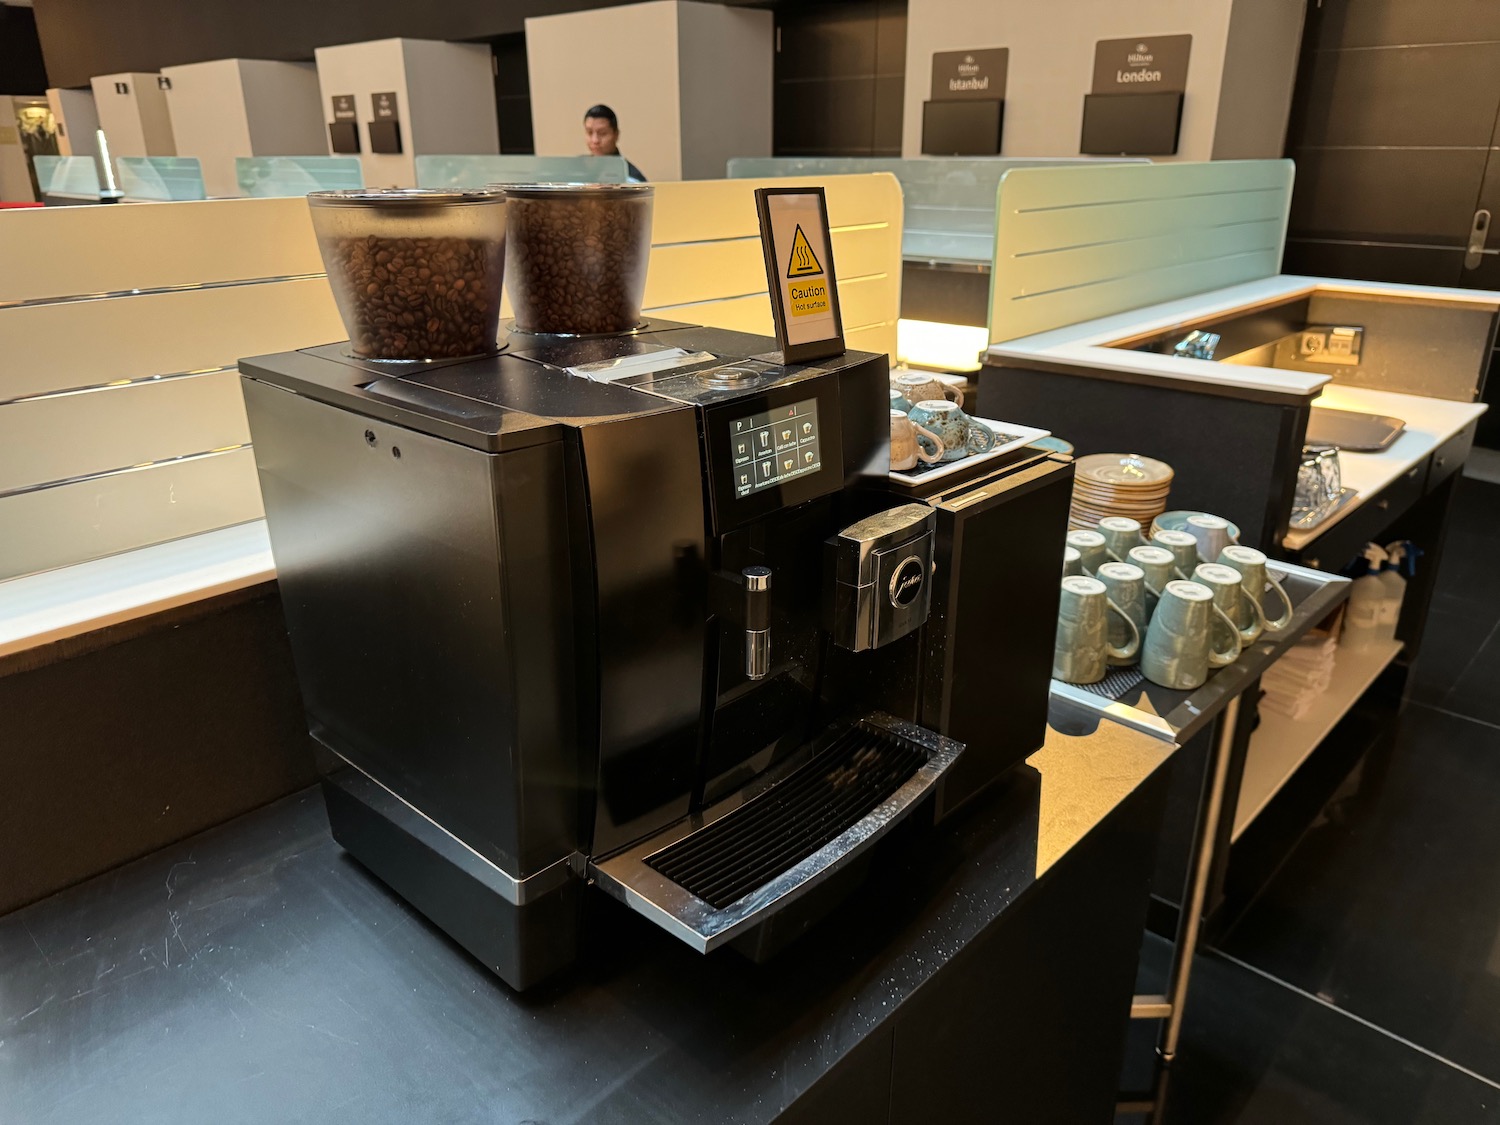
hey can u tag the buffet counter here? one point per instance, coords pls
(257, 973)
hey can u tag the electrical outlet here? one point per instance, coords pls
(1327, 343)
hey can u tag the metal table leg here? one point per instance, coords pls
(1171, 1006)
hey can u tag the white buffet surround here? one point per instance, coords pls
(127, 481)
(1429, 421)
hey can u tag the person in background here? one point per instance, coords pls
(602, 129)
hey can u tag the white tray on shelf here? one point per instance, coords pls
(1018, 436)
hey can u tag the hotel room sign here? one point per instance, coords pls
(978, 74)
(799, 272)
(1155, 64)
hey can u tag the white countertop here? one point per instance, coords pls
(55, 604)
(1086, 343)
(1429, 423)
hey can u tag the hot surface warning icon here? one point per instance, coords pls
(803, 262)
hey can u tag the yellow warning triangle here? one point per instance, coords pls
(803, 262)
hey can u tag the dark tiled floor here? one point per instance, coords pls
(1255, 1052)
(1364, 984)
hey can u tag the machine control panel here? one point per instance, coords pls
(772, 447)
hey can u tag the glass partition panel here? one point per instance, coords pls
(950, 201)
(477, 171)
(160, 179)
(264, 177)
(72, 176)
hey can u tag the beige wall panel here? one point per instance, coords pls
(86, 343)
(697, 271)
(66, 436)
(1048, 231)
(359, 70)
(1068, 244)
(73, 251)
(743, 314)
(861, 251)
(1080, 265)
(705, 271)
(136, 122)
(87, 520)
(869, 300)
(1052, 63)
(726, 58)
(864, 302)
(708, 209)
(878, 338)
(209, 119)
(624, 57)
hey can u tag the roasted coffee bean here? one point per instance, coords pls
(396, 301)
(577, 262)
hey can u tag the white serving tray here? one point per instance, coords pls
(922, 473)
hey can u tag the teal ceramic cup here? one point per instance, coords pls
(1120, 534)
(1211, 532)
(1126, 586)
(899, 402)
(1159, 567)
(1178, 650)
(1090, 547)
(1184, 550)
(915, 386)
(1258, 578)
(1082, 650)
(961, 434)
(1233, 600)
(1072, 561)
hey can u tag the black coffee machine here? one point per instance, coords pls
(643, 612)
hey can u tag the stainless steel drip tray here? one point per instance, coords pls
(713, 879)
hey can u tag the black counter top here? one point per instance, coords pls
(257, 973)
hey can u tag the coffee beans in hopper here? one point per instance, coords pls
(417, 298)
(577, 262)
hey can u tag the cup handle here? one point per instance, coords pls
(1218, 659)
(958, 394)
(1251, 633)
(987, 442)
(1285, 619)
(923, 432)
(1129, 651)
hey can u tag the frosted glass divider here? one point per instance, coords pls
(949, 201)
(71, 176)
(477, 171)
(268, 177)
(161, 179)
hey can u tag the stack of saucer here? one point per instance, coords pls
(1119, 484)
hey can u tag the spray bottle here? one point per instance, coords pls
(1366, 596)
(1394, 586)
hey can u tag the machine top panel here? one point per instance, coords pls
(525, 395)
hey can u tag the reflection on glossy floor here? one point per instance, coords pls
(1364, 984)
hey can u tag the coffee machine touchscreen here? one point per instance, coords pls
(771, 448)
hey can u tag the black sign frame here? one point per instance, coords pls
(810, 349)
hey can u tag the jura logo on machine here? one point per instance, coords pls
(906, 583)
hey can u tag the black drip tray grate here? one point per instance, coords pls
(749, 847)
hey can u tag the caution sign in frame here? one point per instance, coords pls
(798, 251)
